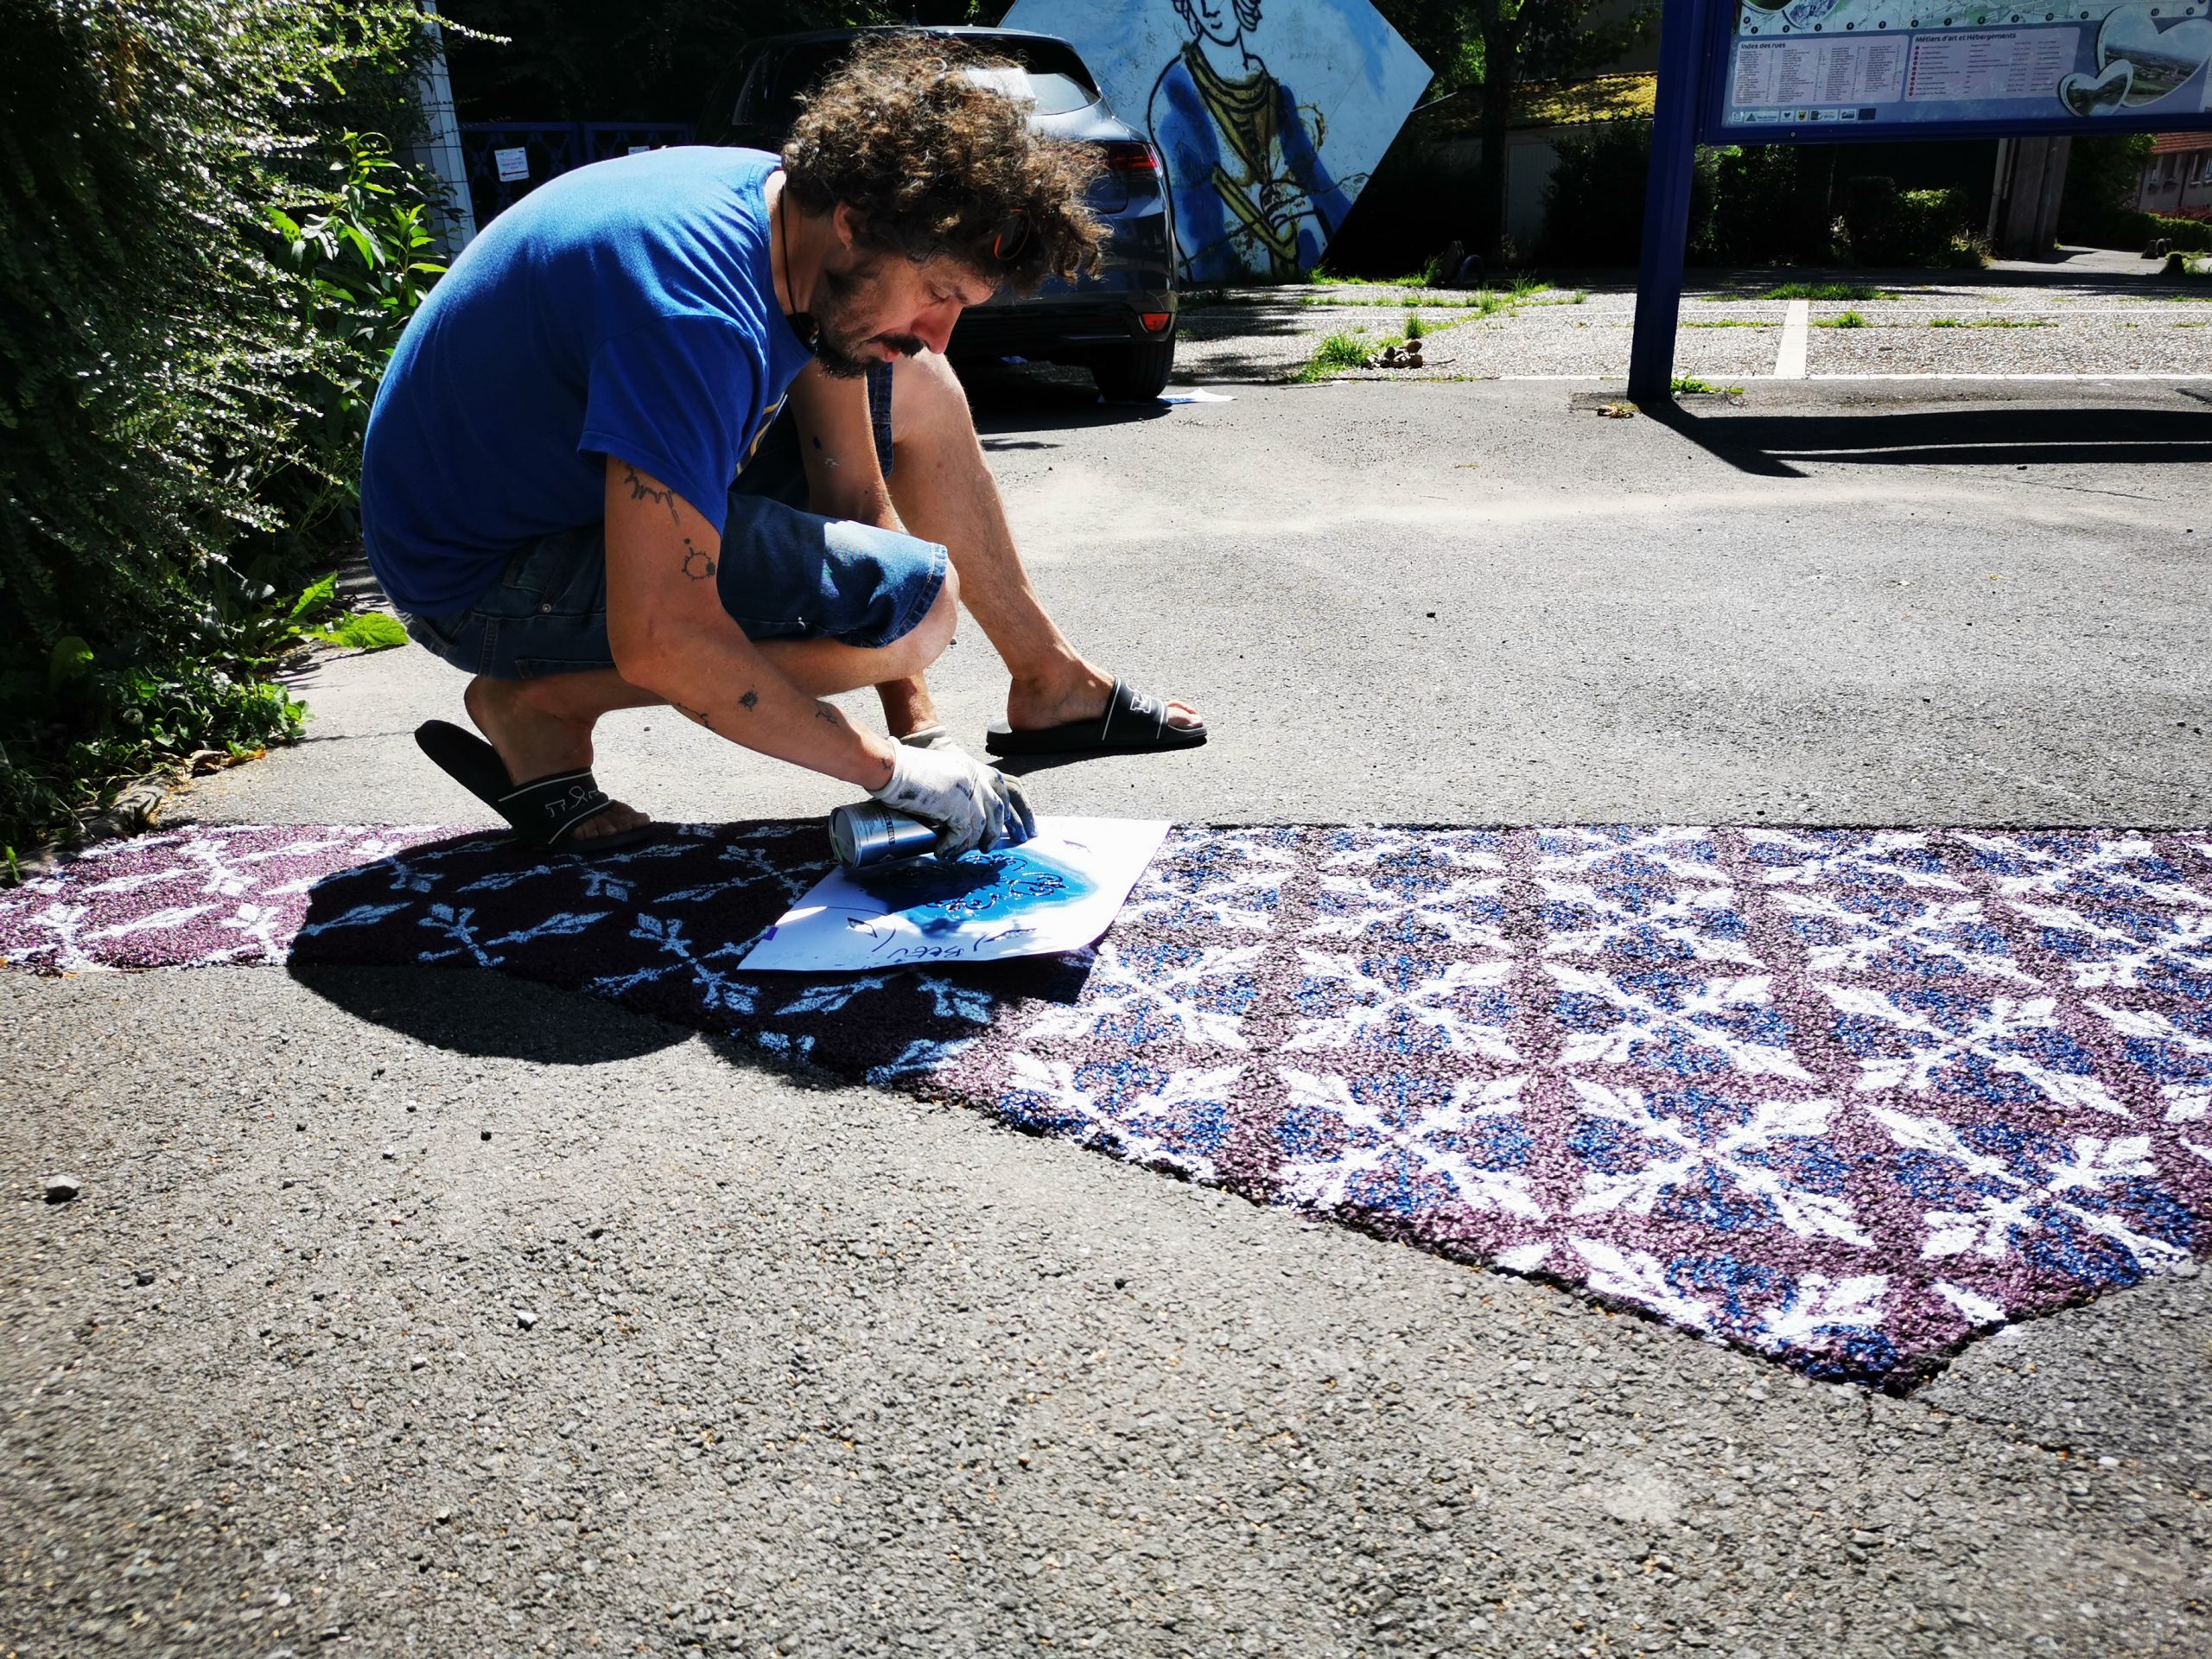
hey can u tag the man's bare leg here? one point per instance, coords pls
(942, 485)
(545, 725)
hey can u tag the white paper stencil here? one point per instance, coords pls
(1058, 892)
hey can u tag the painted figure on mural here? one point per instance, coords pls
(1249, 192)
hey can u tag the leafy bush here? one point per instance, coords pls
(1593, 201)
(179, 386)
(1769, 205)
(1890, 226)
(1747, 206)
(2103, 174)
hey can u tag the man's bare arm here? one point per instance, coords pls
(672, 637)
(837, 441)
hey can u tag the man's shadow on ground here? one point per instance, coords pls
(475, 946)
(485, 1014)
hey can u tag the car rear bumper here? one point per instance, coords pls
(1079, 324)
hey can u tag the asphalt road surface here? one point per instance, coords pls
(436, 1313)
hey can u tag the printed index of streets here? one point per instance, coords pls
(1801, 72)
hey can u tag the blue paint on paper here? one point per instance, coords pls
(1003, 887)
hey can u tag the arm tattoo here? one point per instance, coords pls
(698, 714)
(697, 565)
(749, 702)
(640, 490)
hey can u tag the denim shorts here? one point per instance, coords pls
(784, 574)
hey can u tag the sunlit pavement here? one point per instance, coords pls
(691, 1351)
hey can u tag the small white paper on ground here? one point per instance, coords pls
(1196, 395)
(1058, 892)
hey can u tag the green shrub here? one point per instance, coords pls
(2103, 177)
(180, 387)
(1890, 226)
(1769, 204)
(2103, 174)
(1594, 202)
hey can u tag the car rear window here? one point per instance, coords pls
(1048, 71)
(1054, 94)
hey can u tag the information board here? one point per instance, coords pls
(1831, 69)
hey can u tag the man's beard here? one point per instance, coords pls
(839, 346)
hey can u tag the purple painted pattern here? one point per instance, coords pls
(1845, 1098)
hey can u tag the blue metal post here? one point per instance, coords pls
(1667, 201)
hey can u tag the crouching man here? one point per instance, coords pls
(555, 487)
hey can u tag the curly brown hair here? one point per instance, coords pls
(934, 161)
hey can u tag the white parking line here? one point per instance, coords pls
(1789, 357)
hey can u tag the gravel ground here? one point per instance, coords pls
(2101, 323)
(371, 1334)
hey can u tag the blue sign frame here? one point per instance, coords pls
(2093, 73)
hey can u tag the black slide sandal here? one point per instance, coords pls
(543, 811)
(1133, 724)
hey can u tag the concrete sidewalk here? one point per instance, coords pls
(436, 1313)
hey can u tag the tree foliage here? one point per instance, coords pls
(175, 367)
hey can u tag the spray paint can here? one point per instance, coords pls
(866, 834)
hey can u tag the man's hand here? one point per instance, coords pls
(971, 805)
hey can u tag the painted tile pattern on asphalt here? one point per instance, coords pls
(1842, 1097)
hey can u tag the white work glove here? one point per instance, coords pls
(970, 806)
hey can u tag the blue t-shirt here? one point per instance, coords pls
(625, 309)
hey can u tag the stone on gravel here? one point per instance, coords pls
(60, 1189)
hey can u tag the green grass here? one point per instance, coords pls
(1340, 351)
(1691, 384)
(1479, 301)
(1335, 354)
(1323, 278)
(1848, 319)
(1826, 291)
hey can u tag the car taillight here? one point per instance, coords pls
(1155, 320)
(1130, 158)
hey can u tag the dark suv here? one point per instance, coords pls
(1119, 321)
